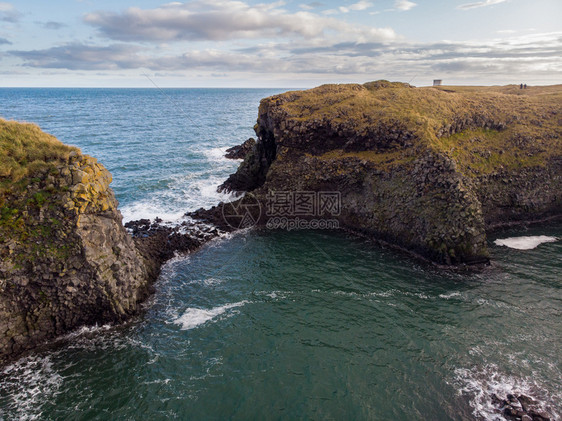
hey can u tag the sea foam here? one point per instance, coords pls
(186, 192)
(216, 154)
(524, 243)
(480, 384)
(194, 317)
(29, 383)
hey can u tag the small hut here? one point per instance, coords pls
(437, 82)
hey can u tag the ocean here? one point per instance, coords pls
(269, 324)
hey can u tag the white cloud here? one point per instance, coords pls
(78, 56)
(484, 3)
(8, 12)
(218, 20)
(311, 6)
(500, 60)
(404, 5)
(361, 5)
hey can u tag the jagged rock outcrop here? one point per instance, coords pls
(158, 242)
(240, 151)
(520, 407)
(426, 169)
(66, 259)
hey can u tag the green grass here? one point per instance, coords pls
(26, 151)
(27, 157)
(530, 120)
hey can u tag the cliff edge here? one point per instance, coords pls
(427, 169)
(65, 258)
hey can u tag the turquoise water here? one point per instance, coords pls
(282, 325)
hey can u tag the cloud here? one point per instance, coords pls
(219, 20)
(498, 60)
(53, 25)
(361, 5)
(404, 5)
(78, 56)
(8, 13)
(484, 3)
(311, 6)
(4, 41)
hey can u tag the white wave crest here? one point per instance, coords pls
(29, 382)
(185, 194)
(194, 317)
(524, 243)
(150, 209)
(450, 295)
(479, 384)
(216, 154)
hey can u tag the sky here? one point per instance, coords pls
(280, 44)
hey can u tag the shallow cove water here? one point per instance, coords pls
(282, 325)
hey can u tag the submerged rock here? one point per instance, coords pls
(520, 408)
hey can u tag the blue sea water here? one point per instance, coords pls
(274, 324)
(165, 148)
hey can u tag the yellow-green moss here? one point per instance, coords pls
(484, 151)
(527, 122)
(25, 151)
(383, 160)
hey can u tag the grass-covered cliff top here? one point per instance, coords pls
(26, 152)
(482, 128)
(44, 186)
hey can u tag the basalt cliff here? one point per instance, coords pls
(65, 258)
(429, 170)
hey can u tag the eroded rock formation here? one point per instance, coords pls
(66, 259)
(426, 169)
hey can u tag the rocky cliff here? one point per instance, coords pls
(66, 259)
(426, 169)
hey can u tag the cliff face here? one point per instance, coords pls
(66, 259)
(423, 168)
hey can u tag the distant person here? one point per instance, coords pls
(525, 86)
(521, 86)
